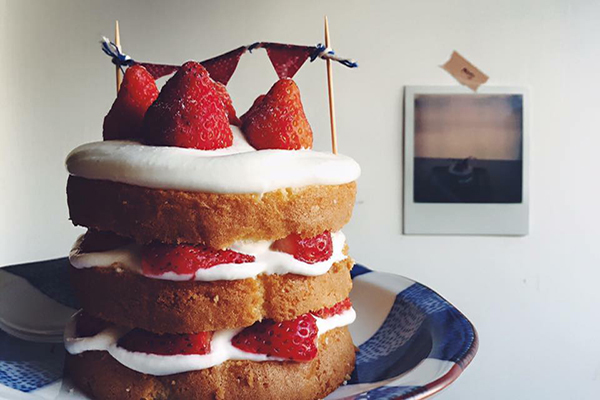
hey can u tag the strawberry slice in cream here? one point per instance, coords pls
(256, 258)
(219, 349)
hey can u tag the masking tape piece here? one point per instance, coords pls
(465, 72)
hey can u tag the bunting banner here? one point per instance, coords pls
(286, 59)
(222, 67)
(159, 70)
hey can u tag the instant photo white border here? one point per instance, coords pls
(464, 218)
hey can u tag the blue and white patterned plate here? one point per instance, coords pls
(412, 343)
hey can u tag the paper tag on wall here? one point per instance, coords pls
(465, 72)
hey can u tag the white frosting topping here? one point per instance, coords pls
(267, 261)
(236, 169)
(154, 364)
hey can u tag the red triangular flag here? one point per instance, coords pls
(159, 70)
(287, 58)
(222, 67)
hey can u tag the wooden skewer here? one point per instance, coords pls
(330, 88)
(118, 69)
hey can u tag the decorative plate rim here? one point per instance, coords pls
(455, 371)
(434, 387)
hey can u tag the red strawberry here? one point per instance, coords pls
(189, 112)
(252, 109)
(138, 91)
(226, 99)
(308, 250)
(167, 344)
(335, 310)
(89, 326)
(278, 121)
(291, 340)
(187, 259)
(222, 67)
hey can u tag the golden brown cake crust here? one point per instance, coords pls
(213, 219)
(161, 306)
(103, 378)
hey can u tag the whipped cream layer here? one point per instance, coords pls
(267, 261)
(236, 169)
(153, 364)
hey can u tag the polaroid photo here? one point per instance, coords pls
(466, 161)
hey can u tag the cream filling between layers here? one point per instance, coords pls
(153, 364)
(236, 169)
(267, 261)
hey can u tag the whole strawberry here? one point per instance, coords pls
(309, 250)
(186, 259)
(189, 112)
(138, 91)
(253, 108)
(228, 104)
(291, 340)
(166, 344)
(278, 120)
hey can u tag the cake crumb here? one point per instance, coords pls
(215, 299)
(250, 378)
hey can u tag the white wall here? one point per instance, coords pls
(534, 300)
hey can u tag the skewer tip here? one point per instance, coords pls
(119, 73)
(330, 92)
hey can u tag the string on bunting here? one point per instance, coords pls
(286, 59)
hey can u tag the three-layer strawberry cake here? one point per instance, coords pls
(214, 266)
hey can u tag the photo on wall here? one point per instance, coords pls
(468, 148)
(465, 161)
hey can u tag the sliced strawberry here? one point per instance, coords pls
(278, 121)
(290, 340)
(287, 58)
(221, 68)
(138, 91)
(226, 99)
(89, 326)
(252, 109)
(167, 344)
(96, 241)
(335, 310)
(308, 250)
(187, 259)
(189, 112)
